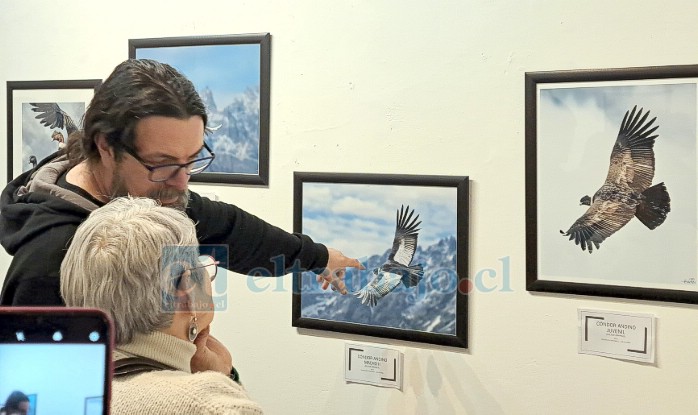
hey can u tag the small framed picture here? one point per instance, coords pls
(611, 179)
(232, 75)
(41, 115)
(410, 233)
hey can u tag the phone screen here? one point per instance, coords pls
(55, 360)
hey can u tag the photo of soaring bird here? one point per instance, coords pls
(397, 268)
(51, 115)
(627, 191)
(58, 136)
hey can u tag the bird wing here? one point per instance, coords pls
(601, 220)
(405, 241)
(52, 116)
(632, 157)
(210, 130)
(380, 285)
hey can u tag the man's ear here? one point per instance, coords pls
(106, 151)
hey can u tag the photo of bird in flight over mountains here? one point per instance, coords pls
(627, 191)
(397, 268)
(51, 115)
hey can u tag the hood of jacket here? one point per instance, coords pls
(32, 203)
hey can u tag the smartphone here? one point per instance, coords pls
(56, 360)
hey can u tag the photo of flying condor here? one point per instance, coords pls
(627, 191)
(397, 268)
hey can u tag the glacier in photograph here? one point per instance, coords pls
(235, 139)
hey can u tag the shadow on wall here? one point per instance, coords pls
(447, 390)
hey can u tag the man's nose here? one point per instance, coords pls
(180, 180)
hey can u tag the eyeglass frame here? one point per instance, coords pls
(214, 263)
(130, 151)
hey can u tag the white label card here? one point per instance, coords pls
(373, 365)
(628, 336)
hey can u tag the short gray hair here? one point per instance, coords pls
(116, 261)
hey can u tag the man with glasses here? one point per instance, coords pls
(143, 135)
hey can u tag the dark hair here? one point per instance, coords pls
(137, 88)
(15, 399)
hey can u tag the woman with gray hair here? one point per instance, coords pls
(139, 262)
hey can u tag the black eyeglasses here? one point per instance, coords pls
(165, 172)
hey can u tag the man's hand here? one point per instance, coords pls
(210, 354)
(333, 275)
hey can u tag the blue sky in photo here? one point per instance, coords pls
(360, 219)
(577, 127)
(36, 138)
(226, 69)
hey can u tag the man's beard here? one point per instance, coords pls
(164, 193)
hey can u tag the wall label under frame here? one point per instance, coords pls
(628, 336)
(377, 366)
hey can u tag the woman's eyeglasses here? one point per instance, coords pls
(208, 264)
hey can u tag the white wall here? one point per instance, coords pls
(440, 83)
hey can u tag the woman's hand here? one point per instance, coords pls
(210, 354)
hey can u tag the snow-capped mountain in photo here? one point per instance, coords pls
(236, 137)
(430, 306)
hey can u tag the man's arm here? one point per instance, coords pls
(31, 291)
(33, 278)
(253, 244)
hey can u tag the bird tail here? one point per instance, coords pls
(413, 275)
(654, 206)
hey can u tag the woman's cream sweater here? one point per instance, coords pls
(178, 391)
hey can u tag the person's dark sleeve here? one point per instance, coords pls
(33, 278)
(254, 246)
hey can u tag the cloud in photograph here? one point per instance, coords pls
(360, 219)
(36, 138)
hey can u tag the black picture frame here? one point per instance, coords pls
(230, 61)
(26, 132)
(357, 213)
(572, 120)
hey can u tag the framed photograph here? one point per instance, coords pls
(40, 117)
(232, 75)
(409, 232)
(611, 182)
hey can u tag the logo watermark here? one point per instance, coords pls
(187, 287)
(194, 278)
(438, 279)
